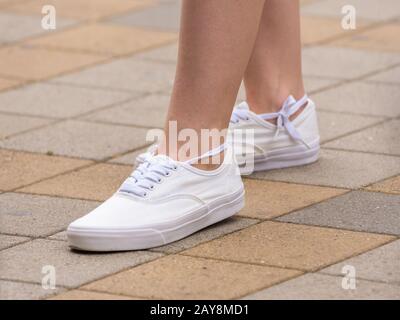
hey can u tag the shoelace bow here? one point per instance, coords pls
(154, 169)
(290, 107)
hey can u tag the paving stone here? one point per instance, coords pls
(13, 290)
(8, 83)
(391, 185)
(382, 138)
(88, 295)
(361, 98)
(97, 182)
(38, 64)
(380, 264)
(357, 210)
(379, 39)
(79, 139)
(103, 38)
(336, 168)
(268, 199)
(163, 16)
(227, 226)
(129, 158)
(39, 216)
(333, 124)
(365, 9)
(180, 277)
(9, 241)
(18, 169)
(60, 236)
(14, 27)
(25, 262)
(344, 63)
(58, 101)
(76, 9)
(11, 124)
(149, 111)
(324, 287)
(149, 76)
(289, 245)
(168, 54)
(314, 83)
(389, 76)
(315, 29)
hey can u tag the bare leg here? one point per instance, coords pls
(215, 45)
(274, 70)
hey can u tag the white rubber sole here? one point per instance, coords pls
(139, 239)
(282, 158)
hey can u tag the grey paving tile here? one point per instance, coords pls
(168, 54)
(129, 158)
(382, 138)
(333, 124)
(11, 124)
(344, 63)
(38, 216)
(25, 262)
(361, 98)
(389, 76)
(79, 139)
(149, 111)
(13, 290)
(60, 236)
(381, 264)
(8, 241)
(129, 74)
(357, 210)
(365, 9)
(312, 83)
(164, 16)
(326, 287)
(14, 27)
(213, 232)
(343, 169)
(58, 101)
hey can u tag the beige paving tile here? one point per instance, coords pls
(391, 185)
(365, 9)
(8, 241)
(97, 182)
(389, 76)
(149, 76)
(88, 295)
(76, 9)
(8, 83)
(79, 139)
(382, 38)
(129, 158)
(149, 111)
(381, 264)
(289, 245)
(334, 124)
(315, 29)
(36, 63)
(14, 290)
(215, 231)
(168, 54)
(336, 168)
(180, 277)
(11, 124)
(61, 236)
(382, 138)
(344, 63)
(364, 98)
(39, 216)
(24, 262)
(104, 39)
(58, 101)
(268, 199)
(326, 287)
(18, 169)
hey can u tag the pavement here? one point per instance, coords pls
(75, 106)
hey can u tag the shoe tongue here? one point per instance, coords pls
(243, 106)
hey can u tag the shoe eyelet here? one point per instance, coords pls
(145, 194)
(168, 174)
(160, 180)
(152, 187)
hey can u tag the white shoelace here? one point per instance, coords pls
(290, 107)
(154, 169)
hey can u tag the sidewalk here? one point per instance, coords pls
(76, 103)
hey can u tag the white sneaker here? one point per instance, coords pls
(161, 202)
(286, 144)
